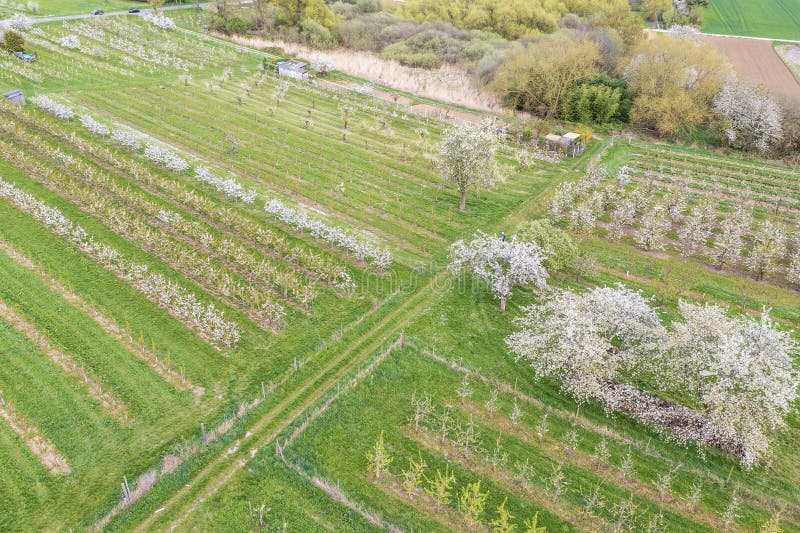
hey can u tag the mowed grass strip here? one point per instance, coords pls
(156, 362)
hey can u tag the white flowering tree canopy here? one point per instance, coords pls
(733, 377)
(739, 369)
(500, 264)
(467, 158)
(586, 340)
(753, 120)
(323, 65)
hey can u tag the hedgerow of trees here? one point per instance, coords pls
(584, 61)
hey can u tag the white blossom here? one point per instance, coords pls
(696, 230)
(229, 187)
(729, 243)
(500, 264)
(793, 274)
(753, 119)
(740, 369)
(360, 248)
(165, 157)
(585, 340)
(733, 377)
(323, 65)
(769, 245)
(160, 20)
(18, 21)
(622, 217)
(94, 126)
(652, 231)
(467, 158)
(179, 302)
(47, 104)
(127, 139)
(563, 201)
(70, 41)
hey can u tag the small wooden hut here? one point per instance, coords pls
(16, 97)
(293, 69)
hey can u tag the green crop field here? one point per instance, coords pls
(777, 19)
(200, 328)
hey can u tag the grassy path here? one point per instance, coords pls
(264, 430)
(261, 433)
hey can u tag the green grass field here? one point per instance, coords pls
(51, 8)
(291, 412)
(777, 19)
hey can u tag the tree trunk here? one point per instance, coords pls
(503, 304)
(462, 204)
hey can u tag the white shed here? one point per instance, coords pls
(293, 69)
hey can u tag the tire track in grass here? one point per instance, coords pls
(220, 470)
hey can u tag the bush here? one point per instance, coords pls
(13, 41)
(405, 55)
(555, 242)
(316, 34)
(236, 25)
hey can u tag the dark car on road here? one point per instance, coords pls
(98, 12)
(134, 10)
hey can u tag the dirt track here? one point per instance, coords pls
(757, 61)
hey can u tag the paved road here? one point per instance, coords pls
(654, 30)
(37, 20)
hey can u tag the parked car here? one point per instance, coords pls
(98, 12)
(134, 10)
(24, 56)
